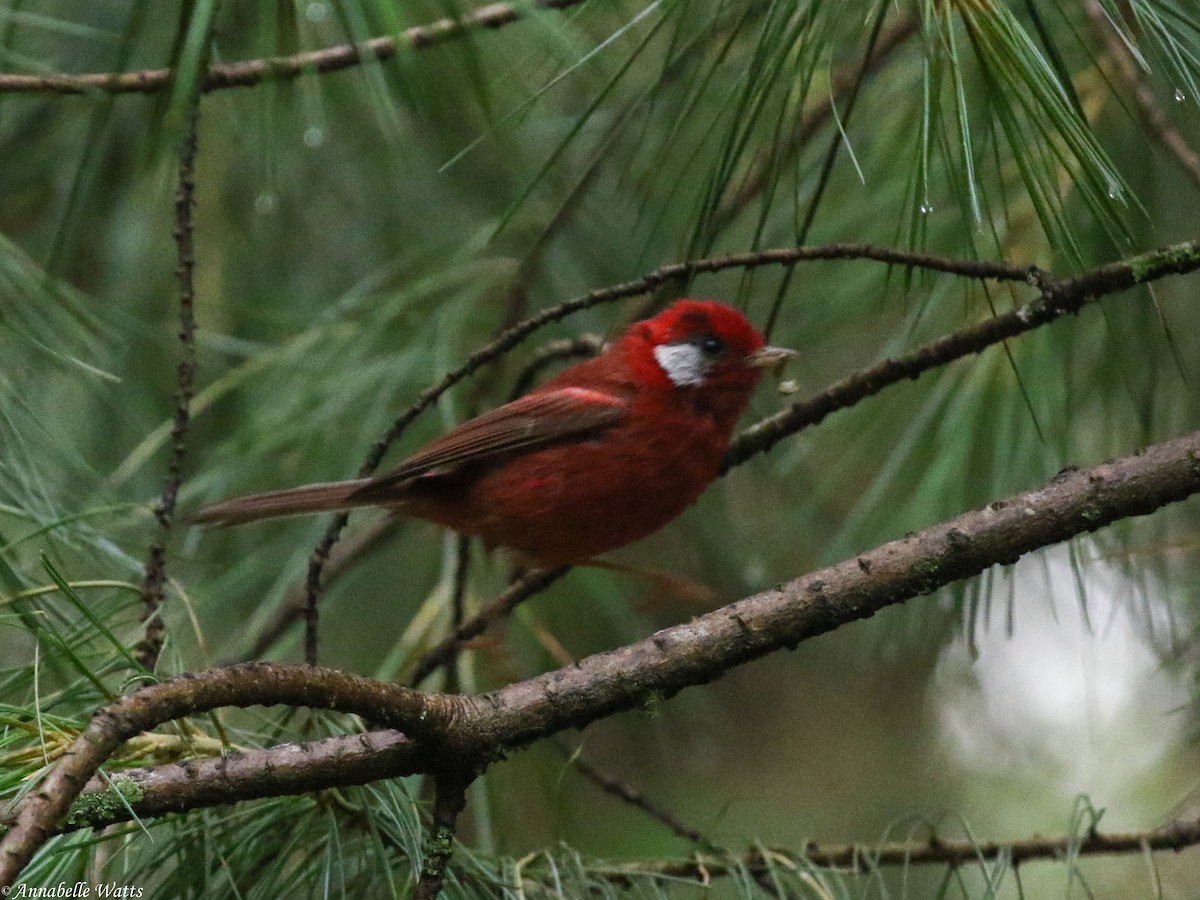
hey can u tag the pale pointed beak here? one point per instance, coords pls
(769, 357)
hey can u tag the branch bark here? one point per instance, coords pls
(1059, 297)
(867, 857)
(697, 652)
(483, 728)
(279, 68)
(424, 717)
(154, 583)
(278, 771)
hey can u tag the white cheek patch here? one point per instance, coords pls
(684, 364)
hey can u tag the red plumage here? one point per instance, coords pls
(608, 451)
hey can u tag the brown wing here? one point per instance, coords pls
(531, 421)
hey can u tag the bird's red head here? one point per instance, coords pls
(702, 344)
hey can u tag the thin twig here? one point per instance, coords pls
(518, 592)
(450, 798)
(569, 348)
(1059, 297)
(868, 857)
(154, 583)
(293, 605)
(627, 793)
(281, 68)
(458, 597)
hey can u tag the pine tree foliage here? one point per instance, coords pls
(361, 231)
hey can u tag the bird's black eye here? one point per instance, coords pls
(712, 346)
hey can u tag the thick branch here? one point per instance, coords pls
(279, 68)
(252, 774)
(694, 653)
(253, 684)
(702, 650)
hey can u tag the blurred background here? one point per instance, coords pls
(360, 233)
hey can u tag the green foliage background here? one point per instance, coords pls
(361, 232)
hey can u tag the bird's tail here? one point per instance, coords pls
(308, 498)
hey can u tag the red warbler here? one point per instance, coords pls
(606, 452)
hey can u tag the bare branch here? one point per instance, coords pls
(153, 585)
(699, 651)
(868, 857)
(293, 606)
(1059, 297)
(627, 793)
(421, 716)
(584, 345)
(252, 774)
(279, 68)
(472, 730)
(519, 591)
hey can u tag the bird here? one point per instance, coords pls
(606, 452)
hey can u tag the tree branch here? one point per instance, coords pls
(1059, 297)
(480, 728)
(292, 607)
(421, 716)
(279, 68)
(154, 583)
(284, 770)
(627, 793)
(868, 857)
(697, 652)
